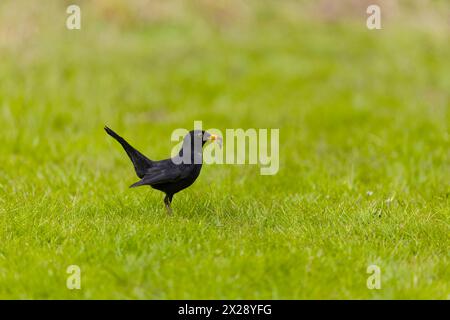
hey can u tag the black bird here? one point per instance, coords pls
(170, 175)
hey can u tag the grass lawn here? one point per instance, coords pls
(364, 156)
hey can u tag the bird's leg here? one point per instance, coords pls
(167, 201)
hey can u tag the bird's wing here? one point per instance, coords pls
(163, 173)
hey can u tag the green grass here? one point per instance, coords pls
(357, 110)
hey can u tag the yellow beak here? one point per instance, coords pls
(215, 137)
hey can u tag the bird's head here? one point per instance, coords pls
(200, 137)
(193, 144)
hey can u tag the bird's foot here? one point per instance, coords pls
(169, 209)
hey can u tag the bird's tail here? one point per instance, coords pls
(141, 163)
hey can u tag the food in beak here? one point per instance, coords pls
(216, 138)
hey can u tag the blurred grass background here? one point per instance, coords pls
(360, 112)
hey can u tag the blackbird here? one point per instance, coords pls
(170, 175)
